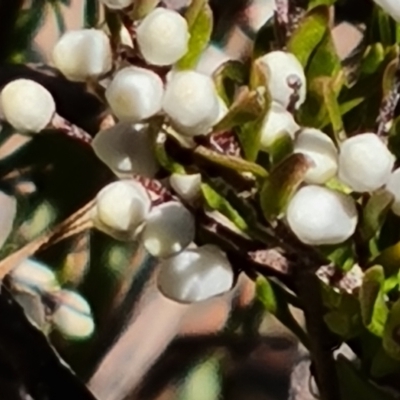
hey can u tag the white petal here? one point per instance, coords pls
(127, 149)
(322, 151)
(187, 187)
(195, 275)
(168, 230)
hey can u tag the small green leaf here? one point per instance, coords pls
(163, 157)
(389, 77)
(374, 214)
(383, 365)
(389, 258)
(246, 108)
(343, 256)
(273, 297)
(217, 202)
(200, 33)
(374, 310)
(315, 3)
(354, 384)
(309, 34)
(249, 133)
(228, 77)
(282, 183)
(280, 148)
(372, 58)
(235, 163)
(391, 335)
(324, 61)
(339, 323)
(193, 11)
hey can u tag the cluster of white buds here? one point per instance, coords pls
(392, 7)
(70, 313)
(321, 216)
(27, 105)
(167, 231)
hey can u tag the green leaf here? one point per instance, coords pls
(354, 384)
(315, 3)
(272, 296)
(324, 61)
(389, 258)
(383, 365)
(164, 158)
(309, 34)
(59, 17)
(326, 88)
(219, 203)
(228, 77)
(374, 214)
(281, 184)
(281, 148)
(372, 58)
(246, 108)
(374, 310)
(249, 133)
(143, 7)
(340, 324)
(391, 335)
(91, 14)
(389, 77)
(200, 34)
(235, 163)
(343, 255)
(193, 11)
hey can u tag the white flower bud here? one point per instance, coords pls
(135, 94)
(277, 121)
(393, 186)
(392, 7)
(195, 275)
(121, 208)
(117, 4)
(168, 230)
(365, 163)
(83, 54)
(283, 71)
(33, 277)
(27, 105)
(126, 149)
(163, 37)
(320, 148)
(187, 187)
(321, 216)
(191, 102)
(73, 317)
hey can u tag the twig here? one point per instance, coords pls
(309, 291)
